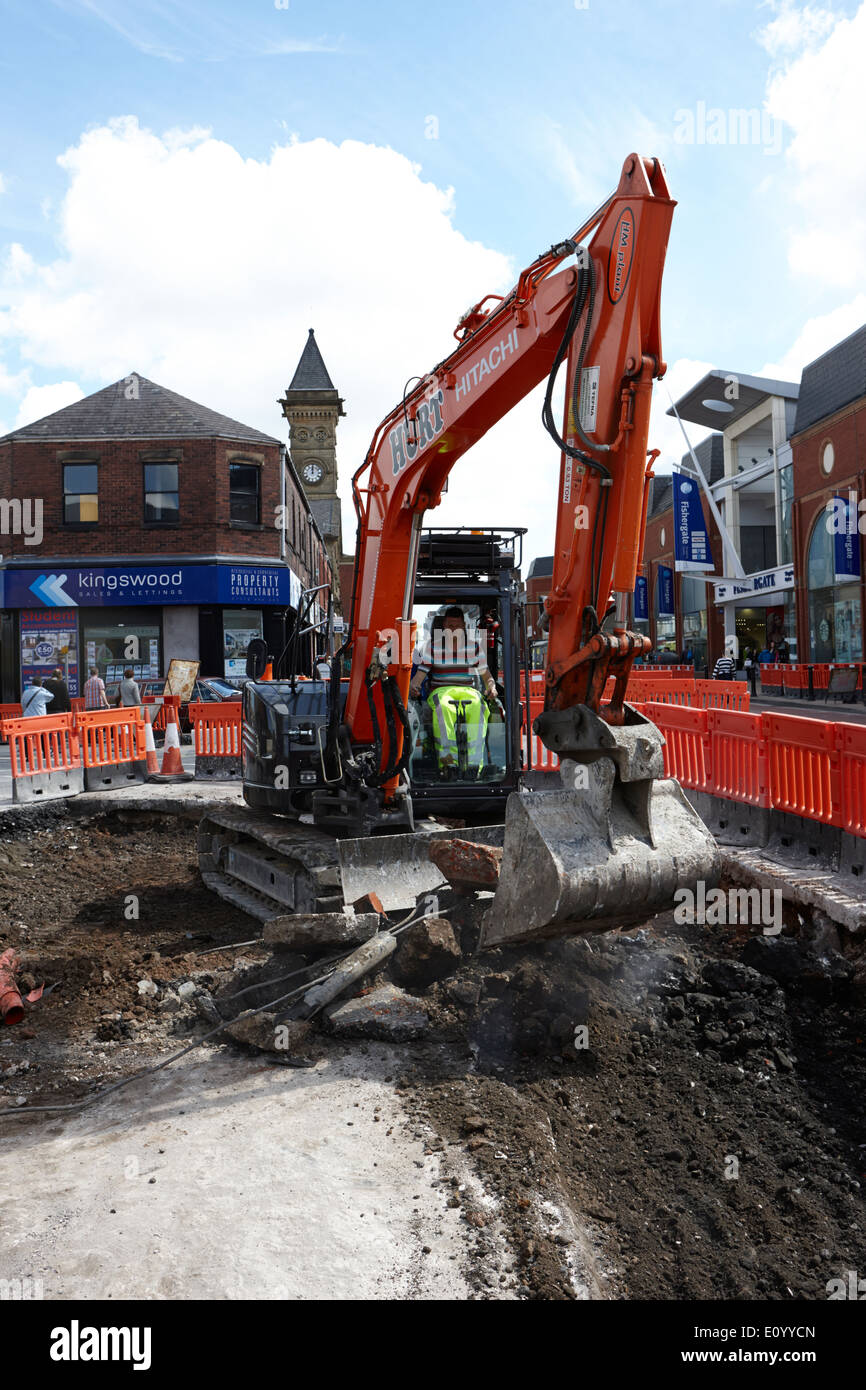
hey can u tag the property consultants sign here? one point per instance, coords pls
(70, 587)
(691, 541)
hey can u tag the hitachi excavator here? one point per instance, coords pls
(343, 772)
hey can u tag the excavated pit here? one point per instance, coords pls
(707, 1129)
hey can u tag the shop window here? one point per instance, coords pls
(132, 638)
(240, 626)
(161, 498)
(81, 494)
(834, 609)
(786, 494)
(244, 492)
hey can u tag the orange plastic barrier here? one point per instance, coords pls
(852, 771)
(8, 712)
(738, 756)
(771, 677)
(803, 767)
(687, 750)
(795, 680)
(722, 694)
(112, 736)
(45, 757)
(820, 676)
(684, 672)
(671, 692)
(217, 728)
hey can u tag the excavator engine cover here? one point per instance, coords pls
(608, 848)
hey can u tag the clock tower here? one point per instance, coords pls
(312, 407)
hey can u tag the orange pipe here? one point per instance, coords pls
(11, 1003)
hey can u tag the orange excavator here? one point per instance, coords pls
(338, 771)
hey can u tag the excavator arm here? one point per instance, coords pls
(597, 315)
(610, 839)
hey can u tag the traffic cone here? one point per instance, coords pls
(172, 764)
(150, 745)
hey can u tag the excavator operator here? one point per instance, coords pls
(461, 694)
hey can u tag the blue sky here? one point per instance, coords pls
(533, 106)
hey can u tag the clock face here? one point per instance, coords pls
(313, 473)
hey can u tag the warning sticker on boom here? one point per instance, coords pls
(589, 398)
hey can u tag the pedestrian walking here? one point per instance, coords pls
(36, 699)
(61, 703)
(129, 691)
(724, 668)
(94, 691)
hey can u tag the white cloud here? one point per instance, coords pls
(203, 270)
(43, 400)
(2, 184)
(818, 94)
(817, 336)
(794, 27)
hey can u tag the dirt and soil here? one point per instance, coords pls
(678, 1110)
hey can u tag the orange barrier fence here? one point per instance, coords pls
(217, 728)
(113, 747)
(163, 702)
(45, 757)
(722, 694)
(739, 756)
(687, 743)
(684, 672)
(8, 712)
(852, 773)
(803, 767)
(806, 767)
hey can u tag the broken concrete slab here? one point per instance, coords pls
(269, 1033)
(319, 930)
(426, 953)
(465, 864)
(386, 1012)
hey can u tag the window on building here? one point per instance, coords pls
(834, 609)
(786, 497)
(81, 494)
(161, 498)
(757, 548)
(245, 493)
(693, 597)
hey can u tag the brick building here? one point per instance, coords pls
(538, 580)
(140, 526)
(829, 449)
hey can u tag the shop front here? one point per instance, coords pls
(759, 611)
(833, 583)
(114, 617)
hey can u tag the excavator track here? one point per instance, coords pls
(267, 866)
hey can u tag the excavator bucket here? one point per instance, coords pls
(607, 848)
(398, 868)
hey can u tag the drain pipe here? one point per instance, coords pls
(11, 1003)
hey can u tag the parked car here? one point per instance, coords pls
(203, 690)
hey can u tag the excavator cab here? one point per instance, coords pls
(464, 707)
